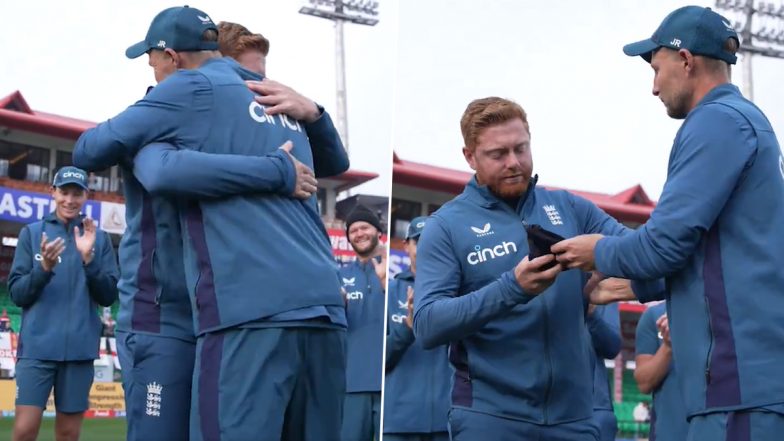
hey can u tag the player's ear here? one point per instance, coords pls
(173, 55)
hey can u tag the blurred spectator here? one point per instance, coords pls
(641, 415)
(108, 323)
(5, 322)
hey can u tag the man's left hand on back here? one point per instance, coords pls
(278, 98)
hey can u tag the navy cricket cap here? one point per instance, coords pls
(70, 175)
(700, 30)
(415, 227)
(179, 28)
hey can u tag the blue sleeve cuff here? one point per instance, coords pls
(92, 269)
(39, 277)
(649, 290)
(605, 256)
(320, 123)
(288, 170)
(512, 290)
(407, 335)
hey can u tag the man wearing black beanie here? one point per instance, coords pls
(363, 281)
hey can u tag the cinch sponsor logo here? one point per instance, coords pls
(256, 111)
(354, 295)
(71, 174)
(485, 254)
(398, 318)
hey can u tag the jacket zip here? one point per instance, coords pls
(710, 344)
(549, 362)
(70, 244)
(549, 386)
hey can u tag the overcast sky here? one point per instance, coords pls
(594, 123)
(68, 57)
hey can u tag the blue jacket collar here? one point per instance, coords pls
(405, 275)
(719, 92)
(52, 218)
(245, 74)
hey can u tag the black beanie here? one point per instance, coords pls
(361, 213)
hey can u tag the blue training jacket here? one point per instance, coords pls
(604, 329)
(668, 414)
(417, 382)
(60, 320)
(365, 335)
(153, 291)
(515, 355)
(717, 234)
(211, 110)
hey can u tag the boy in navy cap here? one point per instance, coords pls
(717, 234)
(63, 268)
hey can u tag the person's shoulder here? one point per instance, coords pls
(653, 312)
(32, 226)
(714, 117)
(555, 194)
(104, 235)
(453, 205)
(349, 267)
(179, 84)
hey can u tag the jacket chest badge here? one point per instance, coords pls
(553, 215)
(483, 231)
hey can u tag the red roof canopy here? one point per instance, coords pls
(630, 205)
(15, 113)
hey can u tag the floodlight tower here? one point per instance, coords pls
(364, 12)
(761, 29)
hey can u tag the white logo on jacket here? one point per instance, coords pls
(781, 166)
(354, 295)
(553, 214)
(154, 395)
(485, 254)
(349, 282)
(258, 114)
(484, 231)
